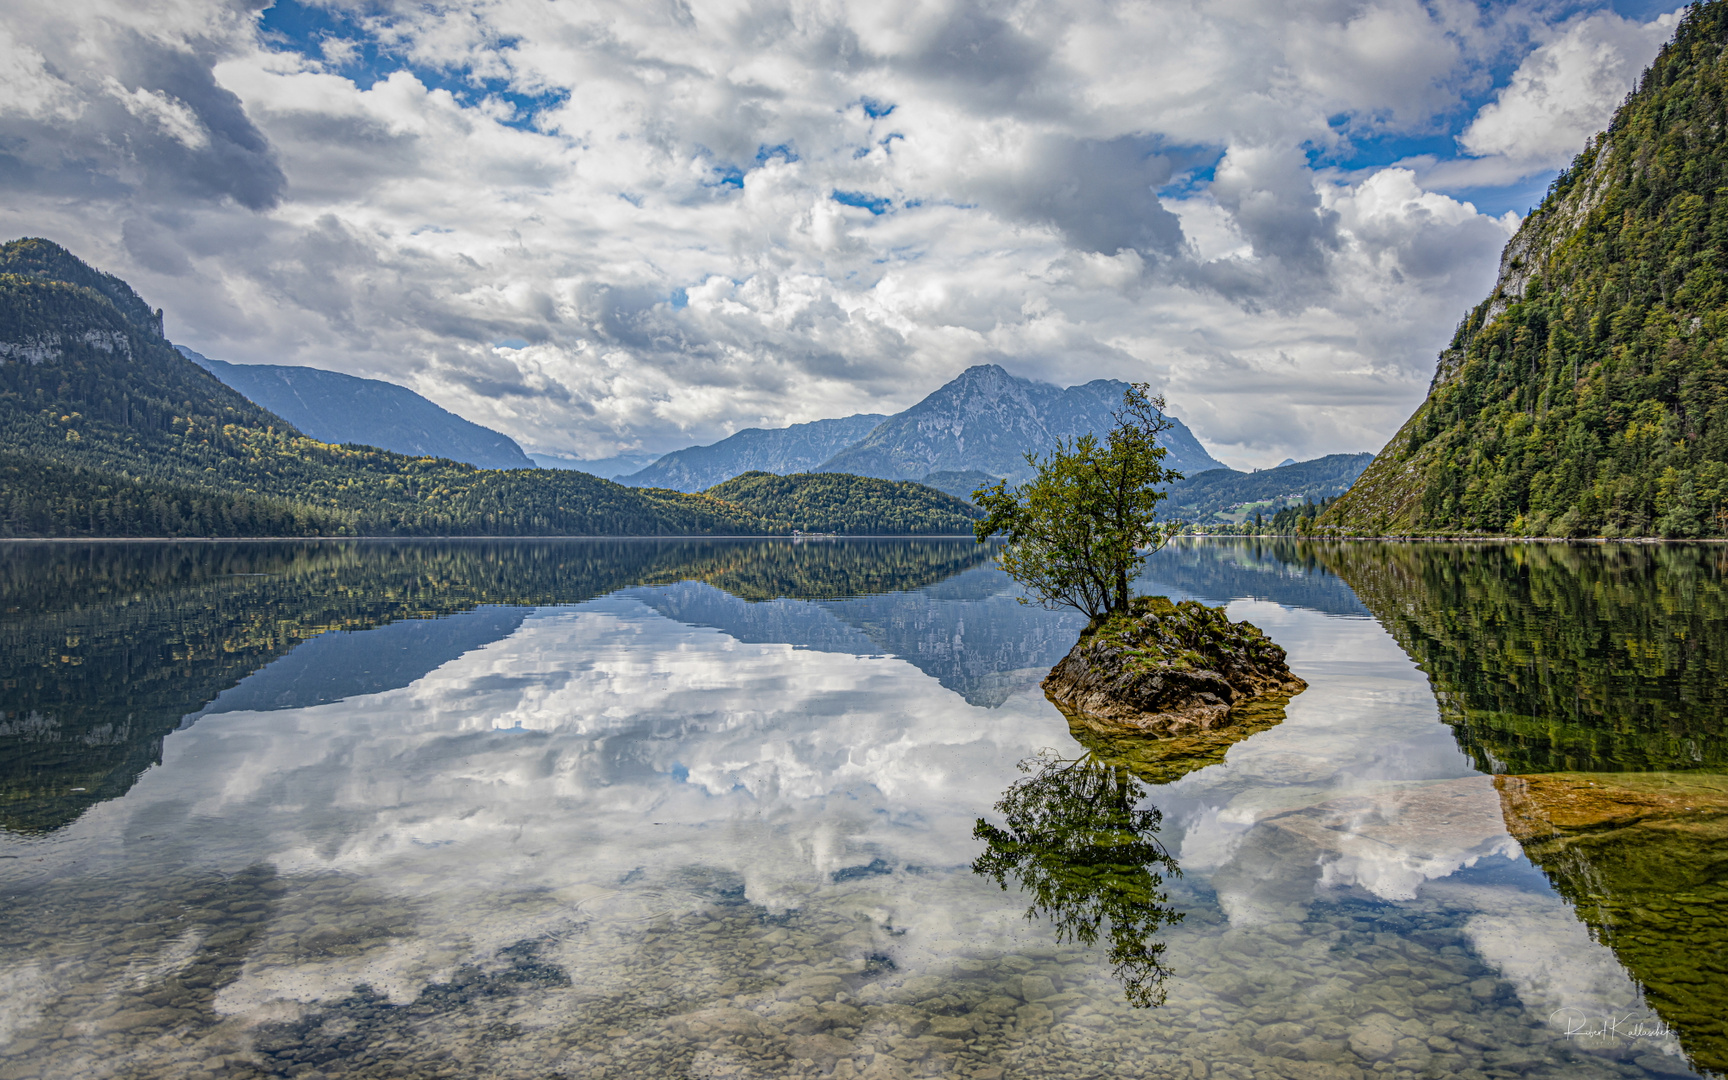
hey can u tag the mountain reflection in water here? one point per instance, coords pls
(106, 648)
(616, 809)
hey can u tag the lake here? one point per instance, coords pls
(799, 809)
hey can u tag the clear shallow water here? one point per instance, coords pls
(711, 809)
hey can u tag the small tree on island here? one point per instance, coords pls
(1078, 532)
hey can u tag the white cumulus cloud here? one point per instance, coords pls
(703, 216)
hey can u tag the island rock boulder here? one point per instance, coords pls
(1167, 669)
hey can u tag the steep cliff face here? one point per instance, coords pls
(1588, 393)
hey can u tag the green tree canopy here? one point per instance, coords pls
(1079, 530)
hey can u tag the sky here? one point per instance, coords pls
(608, 228)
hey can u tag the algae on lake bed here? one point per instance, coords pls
(1644, 858)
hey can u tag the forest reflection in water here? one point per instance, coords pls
(107, 648)
(1592, 680)
(329, 793)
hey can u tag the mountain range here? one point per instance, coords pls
(1225, 495)
(336, 408)
(972, 431)
(975, 429)
(795, 449)
(987, 420)
(107, 430)
(1587, 394)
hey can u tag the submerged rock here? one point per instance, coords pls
(1167, 669)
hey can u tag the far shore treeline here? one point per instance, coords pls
(107, 431)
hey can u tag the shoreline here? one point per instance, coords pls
(400, 539)
(1469, 539)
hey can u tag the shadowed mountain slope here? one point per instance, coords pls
(336, 408)
(794, 449)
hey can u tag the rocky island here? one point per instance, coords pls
(1160, 668)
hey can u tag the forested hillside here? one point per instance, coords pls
(1588, 394)
(1225, 495)
(853, 505)
(107, 430)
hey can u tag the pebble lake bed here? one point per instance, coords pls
(773, 809)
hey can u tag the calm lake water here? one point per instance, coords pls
(765, 809)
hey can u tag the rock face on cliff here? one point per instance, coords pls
(1167, 669)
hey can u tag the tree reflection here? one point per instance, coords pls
(1078, 839)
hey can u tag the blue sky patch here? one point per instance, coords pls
(863, 201)
(293, 26)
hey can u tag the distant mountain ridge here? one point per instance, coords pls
(972, 430)
(107, 430)
(796, 449)
(1211, 497)
(986, 420)
(608, 468)
(336, 408)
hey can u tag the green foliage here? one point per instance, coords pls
(1078, 839)
(45, 498)
(1286, 521)
(45, 261)
(1559, 658)
(106, 430)
(847, 504)
(1079, 530)
(1214, 497)
(1589, 395)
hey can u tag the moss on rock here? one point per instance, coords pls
(1167, 669)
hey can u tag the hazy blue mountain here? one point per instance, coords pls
(1212, 497)
(986, 420)
(606, 468)
(336, 408)
(340, 665)
(968, 632)
(795, 449)
(1217, 570)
